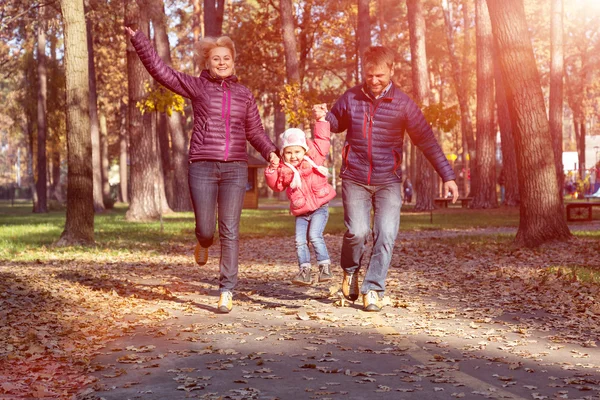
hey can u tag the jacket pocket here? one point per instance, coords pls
(345, 154)
(397, 162)
(297, 199)
(321, 188)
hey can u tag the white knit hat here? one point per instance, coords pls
(293, 137)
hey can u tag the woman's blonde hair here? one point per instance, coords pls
(205, 45)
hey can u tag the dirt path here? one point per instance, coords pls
(463, 320)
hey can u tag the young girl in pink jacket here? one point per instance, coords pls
(304, 179)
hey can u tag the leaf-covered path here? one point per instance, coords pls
(466, 318)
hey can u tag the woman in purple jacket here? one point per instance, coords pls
(225, 117)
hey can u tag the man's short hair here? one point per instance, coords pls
(379, 55)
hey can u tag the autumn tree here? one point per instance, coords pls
(557, 86)
(424, 184)
(41, 205)
(363, 29)
(542, 216)
(213, 17)
(485, 196)
(79, 225)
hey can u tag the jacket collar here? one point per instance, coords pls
(230, 79)
(387, 96)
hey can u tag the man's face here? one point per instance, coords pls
(378, 77)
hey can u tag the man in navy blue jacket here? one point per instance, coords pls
(376, 114)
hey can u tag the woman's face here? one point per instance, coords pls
(220, 62)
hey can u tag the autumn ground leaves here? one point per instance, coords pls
(468, 316)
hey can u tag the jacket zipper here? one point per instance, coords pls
(225, 114)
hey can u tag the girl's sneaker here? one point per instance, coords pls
(303, 277)
(325, 274)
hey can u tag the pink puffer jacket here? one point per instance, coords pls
(315, 190)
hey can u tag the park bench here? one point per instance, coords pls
(581, 211)
(443, 202)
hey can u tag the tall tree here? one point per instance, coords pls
(146, 202)
(177, 164)
(424, 184)
(459, 73)
(485, 196)
(123, 152)
(363, 30)
(542, 216)
(41, 205)
(94, 122)
(79, 225)
(213, 17)
(507, 142)
(288, 27)
(557, 86)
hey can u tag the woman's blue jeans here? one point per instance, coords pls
(218, 188)
(385, 202)
(309, 228)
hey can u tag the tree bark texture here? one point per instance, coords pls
(458, 75)
(507, 142)
(363, 31)
(41, 205)
(145, 201)
(176, 164)
(124, 153)
(289, 41)
(485, 196)
(106, 196)
(79, 225)
(213, 17)
(542, 216)
(95, 125)
(424, 183)
(557, 86)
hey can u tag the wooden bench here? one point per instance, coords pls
(443, 202)
(581, 211)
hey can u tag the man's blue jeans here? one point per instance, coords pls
(218, 188)
(385, 202)
(309, 228)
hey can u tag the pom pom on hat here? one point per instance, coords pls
(293, 137)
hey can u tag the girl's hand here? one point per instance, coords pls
(319, 111)
(273, 160)
(130, 32)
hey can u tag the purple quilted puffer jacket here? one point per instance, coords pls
(372, 152)
(225, 112)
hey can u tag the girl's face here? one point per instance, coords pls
(293, 154)
(220, 62)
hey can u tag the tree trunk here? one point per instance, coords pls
(79, 225)
(41, 205)
(424, 187)
(278, 127)
(95, 125)
(106, 196)
(123, 154)
(507, 142)
(580, 134)
(363, 31)
(485, 196)
(197, 29)
(556, 87)
(146, 200)
(542, 216)
(289, 42)
(213, 17)
(176, 164)
(458, 75)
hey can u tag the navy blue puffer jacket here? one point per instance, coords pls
(372, 152)
(225, 112)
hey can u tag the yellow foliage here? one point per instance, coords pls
(297, 105)
(161, 100)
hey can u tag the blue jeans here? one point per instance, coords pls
(385, 202)
(218, 188)
(310, 227)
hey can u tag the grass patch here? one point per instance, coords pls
(576, 274)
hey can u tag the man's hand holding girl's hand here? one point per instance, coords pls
(320, 111)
